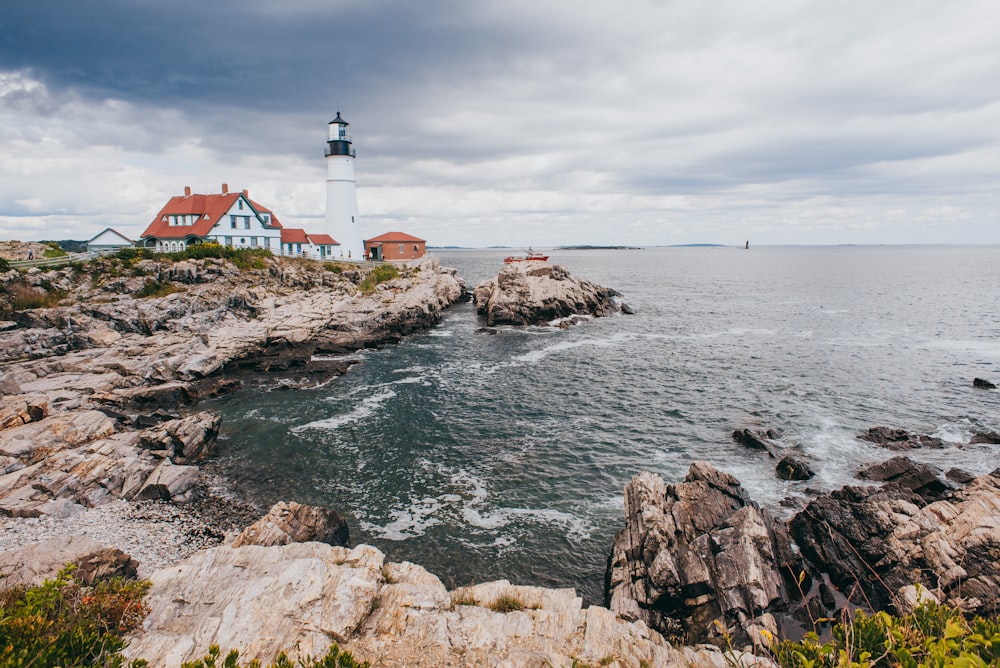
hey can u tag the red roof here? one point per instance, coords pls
(395, 237)
(208, 209)
(294, 235)
(323, 240)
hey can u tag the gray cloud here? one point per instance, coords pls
(496, 122)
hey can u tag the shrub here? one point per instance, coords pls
(4, 265)
(334, 267)
(157, 289)
(506, 603)
(334, 658)
(64, 623)
(932, 635)
(380, 274)
(26, 297)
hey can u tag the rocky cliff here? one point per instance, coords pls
(89, 380)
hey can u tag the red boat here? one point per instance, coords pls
(532, 255)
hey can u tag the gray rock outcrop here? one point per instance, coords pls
(34, 563)
(700, 553)
(535, 292)
(302, 597)
(875, 542)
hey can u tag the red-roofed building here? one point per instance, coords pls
(296, 242)
(395, 246)
(229, 219)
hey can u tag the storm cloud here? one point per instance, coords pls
(512, 122)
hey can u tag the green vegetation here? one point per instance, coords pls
(53, 250)
(334, 658)
(334, 267)
(244, 258)
(932, 635)
(380, 274)
(64, 623)
(4, 265)
(463, 598)
(157, 289)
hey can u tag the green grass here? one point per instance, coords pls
(380, 274)
(506, 603)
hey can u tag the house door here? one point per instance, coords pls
(376, 253)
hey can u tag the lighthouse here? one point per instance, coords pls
(341, 200)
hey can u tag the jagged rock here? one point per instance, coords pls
(983, 383)
(790, 468)
(293, 522)
(626, 309)
(990, 437)
(302, 597)
(908, 474)
(756, 440)
(18, 410)
(874, 542)
(188, 439)
(535, 292)
(899, 439)
(35, 563)
(697, 552)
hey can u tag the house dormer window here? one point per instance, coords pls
(241, 205)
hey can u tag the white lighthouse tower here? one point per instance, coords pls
(341, 201)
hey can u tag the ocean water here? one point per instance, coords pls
(504, 456)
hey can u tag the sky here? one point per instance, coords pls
(508, 122)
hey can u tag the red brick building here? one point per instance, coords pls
(395, 246)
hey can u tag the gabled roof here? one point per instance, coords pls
(209, 210)
(113, 231)
(323, 240)
(294, 235)
(393, 237)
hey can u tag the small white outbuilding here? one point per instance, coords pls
(109, 241)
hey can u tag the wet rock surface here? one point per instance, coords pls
(535, 292)
(899, 439)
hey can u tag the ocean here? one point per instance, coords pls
(484, 457)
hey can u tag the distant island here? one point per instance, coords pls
(587, 247)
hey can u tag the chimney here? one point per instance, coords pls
(225, 188)
(246, 193)
(187, 191)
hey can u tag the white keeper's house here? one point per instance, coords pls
(297, 242)
(229, 219)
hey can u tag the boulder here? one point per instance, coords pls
(790, 468)
(697, 552)
(988, 437)
(983, 383)
(873, 542)
(908, 474)
(535, 292)
(293, 522)
(899, 439)
(169, 482)
(32, 564)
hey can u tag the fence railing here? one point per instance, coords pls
(53, 261)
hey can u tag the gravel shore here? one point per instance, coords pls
(154, 533)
